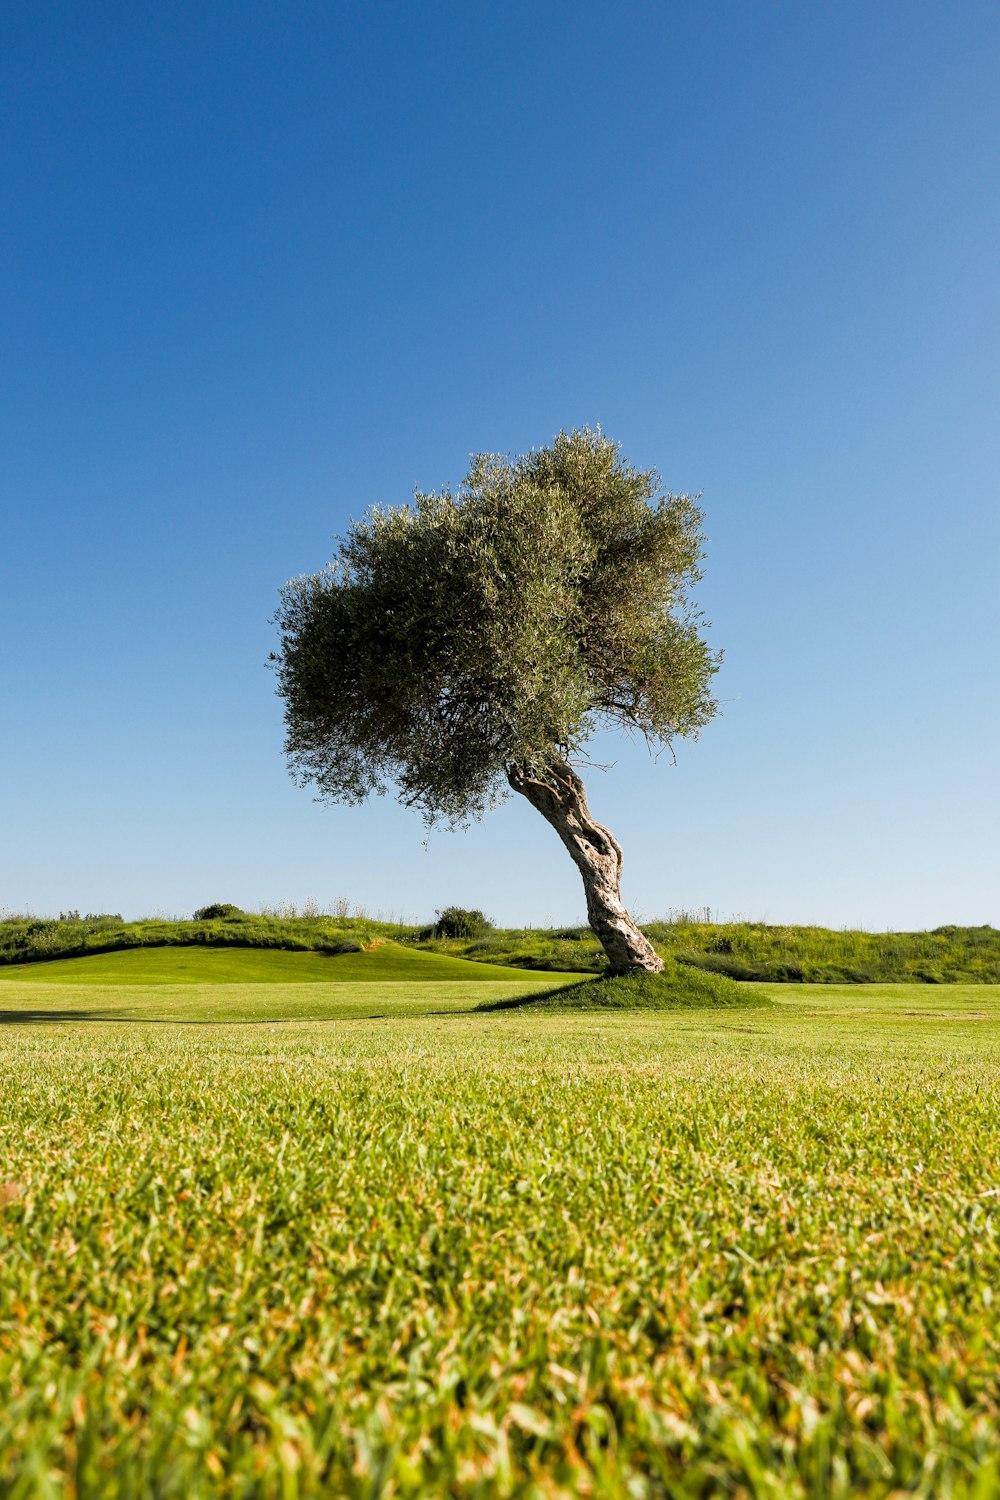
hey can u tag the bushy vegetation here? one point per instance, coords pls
(459, 922)
(818, 955)
(570, 950)
(738, 950)
(688, 1255)
(774, 954)
(26, 939)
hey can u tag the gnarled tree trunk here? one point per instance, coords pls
(560, 797)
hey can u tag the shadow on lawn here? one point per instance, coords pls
(44, 1017)
(35, 1017)
(536, 995)
(41, 1017)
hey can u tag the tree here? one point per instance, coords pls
(470, 644)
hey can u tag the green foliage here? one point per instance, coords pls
(818, 955)
(770, 954)
(739, 950)
(222, 911)
(458, 922)
(499, 626)
(93, 918)
(684, 1254)
(28, 939)
(525, 948)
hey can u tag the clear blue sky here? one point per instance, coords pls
(266, 264)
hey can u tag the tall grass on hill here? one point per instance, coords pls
(739, 950)
(819, 955)
(28, 939)
(758, 951)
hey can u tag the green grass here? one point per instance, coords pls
(677, 987)
(762, 952)
(254, 1249)
(739, 950)
(201, 965)
(758, 951)
(32, 940)
(201, 985)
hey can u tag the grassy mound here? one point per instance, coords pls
(204, 965)
(677, 987)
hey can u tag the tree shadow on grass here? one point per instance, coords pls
(43, 1017)
(545, 997)
(40, 1017)
(37, 1017)
(46, 1017)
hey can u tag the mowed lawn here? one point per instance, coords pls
(251, 984)
(297, 1236)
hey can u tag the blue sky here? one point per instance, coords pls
(265, 265)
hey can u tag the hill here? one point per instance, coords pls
(198, 965)
(739, 950)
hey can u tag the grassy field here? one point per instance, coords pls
(299, 1236)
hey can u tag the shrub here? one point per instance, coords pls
(218, 912)
(457, 922)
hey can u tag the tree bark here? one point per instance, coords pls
(560, 797)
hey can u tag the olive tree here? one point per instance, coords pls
(469, 644)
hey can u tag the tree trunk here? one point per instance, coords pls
(560, 797)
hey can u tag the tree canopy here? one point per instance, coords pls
(490, 631)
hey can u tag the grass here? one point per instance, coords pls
(677, 987)
(758, 951)
(30, 939)
(696, 1252)
(205, 985)
(738, 950)
(201, 965)
(762, 952)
